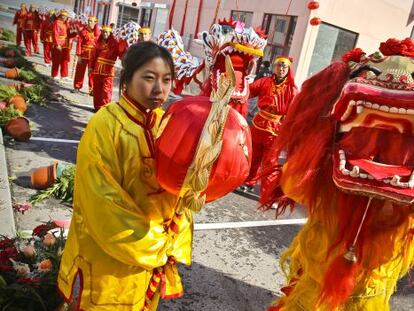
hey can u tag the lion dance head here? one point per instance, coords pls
(349, 136)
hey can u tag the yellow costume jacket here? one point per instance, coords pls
(118, 233)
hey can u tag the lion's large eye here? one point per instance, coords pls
(371, 71)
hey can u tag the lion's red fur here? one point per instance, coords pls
(307, 133)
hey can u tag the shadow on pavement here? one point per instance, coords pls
(84, 107)
(57, 120)
(207, 289)
(406, 285)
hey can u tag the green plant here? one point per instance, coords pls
(8, 35)
(29, 269)
(7, 114)
(62, 189)
(27, 75)
(34, 94)
(6, 92)
(22, 62)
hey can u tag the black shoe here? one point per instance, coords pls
(242, 188)
(249, 188)
(75, 91)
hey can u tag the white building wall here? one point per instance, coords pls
(373, 20)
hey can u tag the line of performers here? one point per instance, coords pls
(97, 49)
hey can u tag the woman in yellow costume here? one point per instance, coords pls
(118, 241)
(349, 137)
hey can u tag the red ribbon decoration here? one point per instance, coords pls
(200, 5)
(171, 14)
(184, 18)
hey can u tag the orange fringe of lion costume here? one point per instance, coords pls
(349, 136)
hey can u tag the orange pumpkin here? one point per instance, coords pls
(19, 102)
(19, 129)
(176, 146)
(12, 73)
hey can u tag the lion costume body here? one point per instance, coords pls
(349, 136)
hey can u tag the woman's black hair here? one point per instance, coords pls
(138, 55)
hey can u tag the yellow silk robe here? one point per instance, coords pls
(118, 231)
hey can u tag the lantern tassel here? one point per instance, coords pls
(339, 282)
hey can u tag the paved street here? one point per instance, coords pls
(233, 268)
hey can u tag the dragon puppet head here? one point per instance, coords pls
(228, 37)
(243, 44)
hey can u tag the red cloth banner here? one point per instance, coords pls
(184, 18)
(200, 5)
(171, 14)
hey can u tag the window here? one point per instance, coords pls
(330, 44)
(103, 12)
(76, 7)
(243, 16)
(280, 29)
(146, 18)
(126, 14)
(280, 25)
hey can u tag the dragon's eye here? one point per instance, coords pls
(226, 29)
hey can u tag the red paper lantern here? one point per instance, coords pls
(176, 146)
(315, 21)
(313, 5)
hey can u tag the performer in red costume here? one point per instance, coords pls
(31, 28)
(145, 34)
(37, 20)
(87, 39)
(61, 46)
(275, 95)
(107, 51)
(19, 20)
(46, 36)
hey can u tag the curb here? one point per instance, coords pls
(7, 226)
